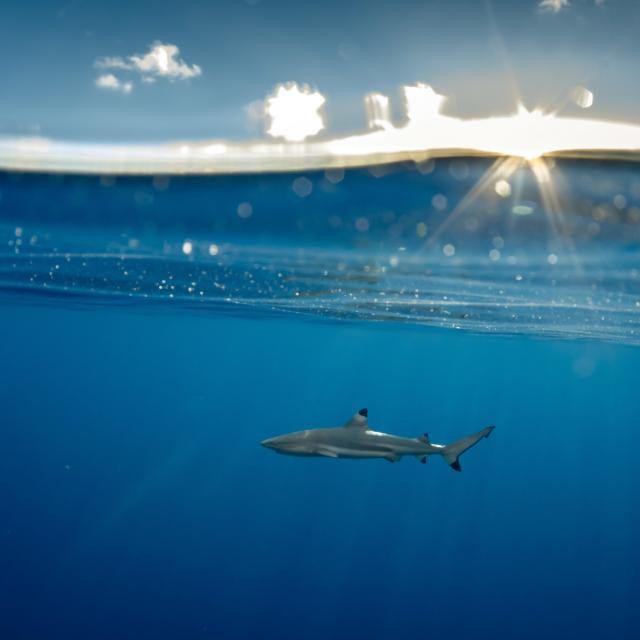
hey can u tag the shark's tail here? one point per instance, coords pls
(452, 452)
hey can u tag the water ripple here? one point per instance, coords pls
(600, 300)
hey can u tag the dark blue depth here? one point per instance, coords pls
(136, 502)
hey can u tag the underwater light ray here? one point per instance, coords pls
(501, 169)
(516, 196)
(553, 209)
(547, 193)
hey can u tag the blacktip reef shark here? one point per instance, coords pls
(356, 440)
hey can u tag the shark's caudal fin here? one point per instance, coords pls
(452, 452)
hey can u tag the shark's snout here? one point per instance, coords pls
(282, 444)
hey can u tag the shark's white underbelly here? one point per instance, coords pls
(375, 451)
(341, 452)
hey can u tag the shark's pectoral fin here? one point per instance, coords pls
(327, 453)
(423, 459)
(392, 457)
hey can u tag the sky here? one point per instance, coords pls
(86, 71)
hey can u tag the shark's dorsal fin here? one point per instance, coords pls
(358, 420)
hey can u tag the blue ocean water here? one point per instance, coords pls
(155, 330)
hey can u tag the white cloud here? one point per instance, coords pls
(109, 82)
(553, 5)
(160, 61)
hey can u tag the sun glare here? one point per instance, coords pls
(525, 134)
(293, 112)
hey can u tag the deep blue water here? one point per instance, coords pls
(136, 501)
